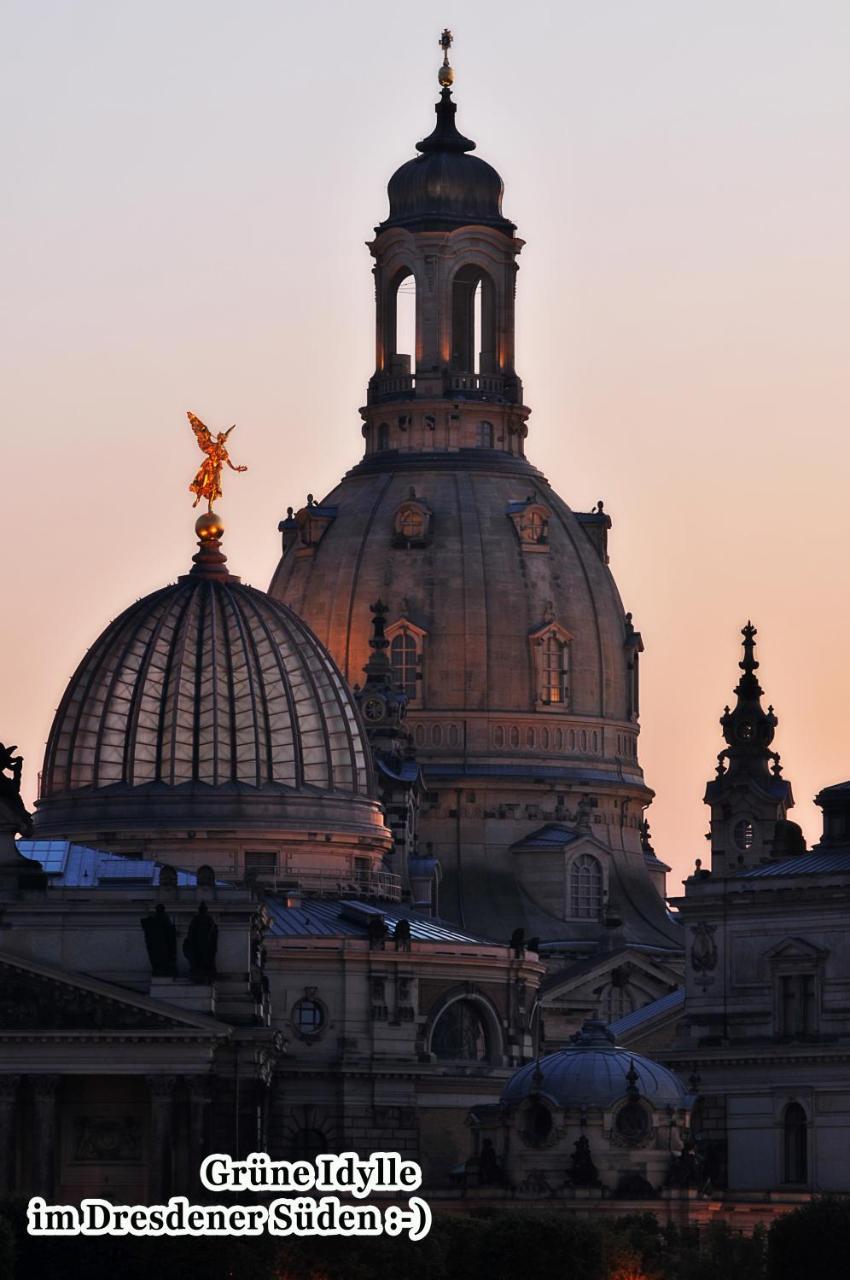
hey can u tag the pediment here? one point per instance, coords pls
(41, 998)
(643, 972)
(799, 949)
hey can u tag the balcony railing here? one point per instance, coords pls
(327, 882)
(402, 386)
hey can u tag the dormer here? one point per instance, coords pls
(530, 518)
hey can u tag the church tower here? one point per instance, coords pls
(749, 799)
(505, 629)
(447, 237)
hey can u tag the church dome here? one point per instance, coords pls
(594, 1072)
(204, 704)
(443, 187)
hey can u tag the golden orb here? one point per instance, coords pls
(446, 75)
(209, 526)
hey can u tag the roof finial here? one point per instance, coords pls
(446, 75)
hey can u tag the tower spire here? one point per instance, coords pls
(748, 728)
(749, 798)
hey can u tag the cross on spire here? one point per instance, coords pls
(445, 42)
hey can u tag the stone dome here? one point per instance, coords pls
(454, 588)
(206, 703)
(443, 187)
(594, 1072)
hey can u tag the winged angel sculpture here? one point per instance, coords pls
(207, 482)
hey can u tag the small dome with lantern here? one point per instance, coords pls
(593, 1071)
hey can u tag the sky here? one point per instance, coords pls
(188, 187)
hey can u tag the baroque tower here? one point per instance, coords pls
(749, 799)
(505, 628)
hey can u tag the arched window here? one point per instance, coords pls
(383, 436)
(411, 522)
(744, 834)
(585, 887)
(402, 330)
(473, 322)
(485, 435)
(404, 658)
(554, 670)
(795, 1135)
(460, 1033)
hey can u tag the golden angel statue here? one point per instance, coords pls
(207, 482)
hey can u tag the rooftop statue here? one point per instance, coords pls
(207, 481)
(10, 790)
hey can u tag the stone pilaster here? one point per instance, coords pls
(8, 1118)
(200, 1098)
(44, 1133)
(161, 1090)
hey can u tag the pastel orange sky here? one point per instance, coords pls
(187, 192)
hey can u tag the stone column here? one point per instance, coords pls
(161, 1089)
(200, 1097)
(8, 1101)
(44, 1134)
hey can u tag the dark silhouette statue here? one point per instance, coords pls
(10, 789)
(402, 935)
(490, 1172)
(377, 933)
(161, 942)
(517, 943)
(200, 945)
(582, 1172)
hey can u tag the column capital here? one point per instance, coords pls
(44, 1086)
(9, 1087)
(161, 1086)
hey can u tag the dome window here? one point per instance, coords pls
(550, 647)
(407, 643)
(538, 1125)
(585, 888)
(383, 436)
(485, 435)
(411, 523)
(530, 519)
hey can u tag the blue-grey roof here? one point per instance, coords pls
(805, 864)
(77, 866)
(670, 1003)
(593, 1073)
(330, 918)
(553, 836)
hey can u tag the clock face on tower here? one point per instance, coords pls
(374, 709)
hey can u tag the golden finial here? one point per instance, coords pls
(207, 481)
(446, 75)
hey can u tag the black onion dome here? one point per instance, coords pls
(444, 188)
(207, 696)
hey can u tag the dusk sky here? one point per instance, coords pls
(188, 188)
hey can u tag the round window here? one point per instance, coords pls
(744, 835)
(308, 1017)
